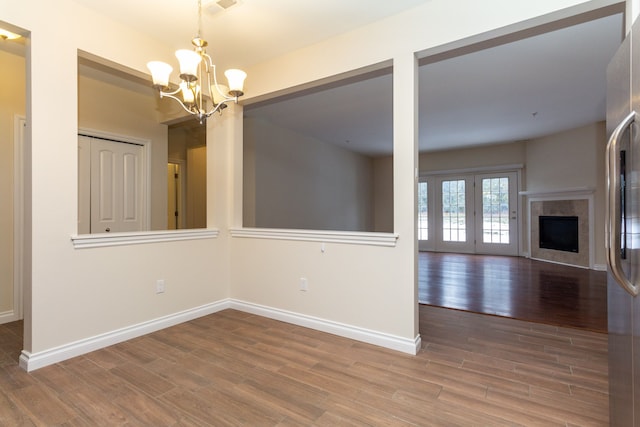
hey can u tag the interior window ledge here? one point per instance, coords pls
(120, 239)
(349, 237)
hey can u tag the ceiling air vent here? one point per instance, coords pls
(219, 6)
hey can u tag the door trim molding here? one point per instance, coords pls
(19, 124)
(183, 189)
(485, 169)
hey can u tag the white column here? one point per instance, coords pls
(405, 173)
(224, 168)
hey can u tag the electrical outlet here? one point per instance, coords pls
(304, 284)
(160, 286)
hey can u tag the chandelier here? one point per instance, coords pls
(199, 92)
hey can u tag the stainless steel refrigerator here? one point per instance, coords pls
(622, 225)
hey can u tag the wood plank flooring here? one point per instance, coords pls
(515, 287)
(233, 368)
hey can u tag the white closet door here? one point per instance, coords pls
(110, 186)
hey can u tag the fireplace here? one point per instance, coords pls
(561, 228)
(559, 233)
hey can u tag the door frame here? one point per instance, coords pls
(183, 190)
(146, 162)
(434, 177)
(19, 125)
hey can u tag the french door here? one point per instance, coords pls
(469, 213)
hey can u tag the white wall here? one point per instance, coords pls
(73, 294)
(76, 294)
(369, 287)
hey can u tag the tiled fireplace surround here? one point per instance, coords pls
(562, 205)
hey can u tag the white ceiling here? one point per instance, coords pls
(515, 91)
(521, 90)
(252, 30)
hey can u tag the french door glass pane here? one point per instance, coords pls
(453, 211)
(495, 210)
(423, 221)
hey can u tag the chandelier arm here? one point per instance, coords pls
(170, 95)
(212, 67)
(216, 108)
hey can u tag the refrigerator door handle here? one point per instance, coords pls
(613, 209)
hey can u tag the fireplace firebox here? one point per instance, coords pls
(559, 233)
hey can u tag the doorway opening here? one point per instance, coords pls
(511, 99)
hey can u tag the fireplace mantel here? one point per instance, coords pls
(563, 192)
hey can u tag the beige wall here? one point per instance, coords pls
(74, 295)
(12, 103)
(110, 105)
(383, 194)
(303, 183)
(572, 160)
(566, 160)
(472, 158)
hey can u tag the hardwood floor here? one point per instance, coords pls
(515, 287)
(233, 368)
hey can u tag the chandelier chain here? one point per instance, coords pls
(199, 19)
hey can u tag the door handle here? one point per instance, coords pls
(107, 229)
(613, 211)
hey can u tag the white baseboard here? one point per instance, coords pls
(32, 361)
(8, 316)
(405, 345)
(600, 267)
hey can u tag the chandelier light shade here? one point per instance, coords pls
(198, 92)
